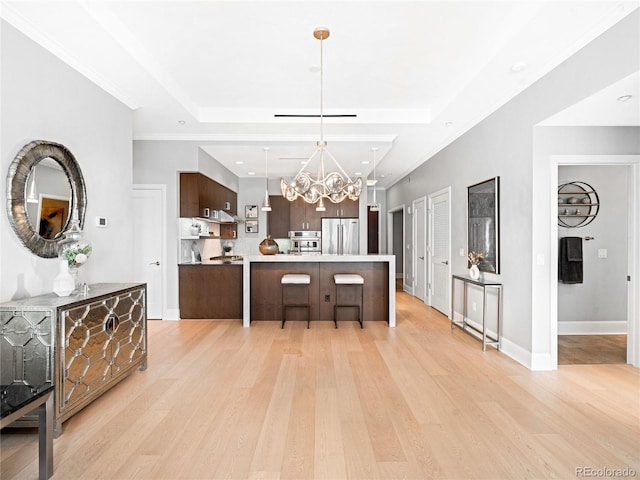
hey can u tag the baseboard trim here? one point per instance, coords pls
(171, 314)
(592, 328)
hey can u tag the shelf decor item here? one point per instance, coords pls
(474, 259)
(268, 246)
(74, 249)
(577, 194)
(64, 283)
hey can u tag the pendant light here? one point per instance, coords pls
(375, 206)
(32, 197)
(336, 185)
(266, 205)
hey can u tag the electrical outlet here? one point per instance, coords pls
(327, 298)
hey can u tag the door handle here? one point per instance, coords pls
(155, 263)
(421, 258)
(446, 262)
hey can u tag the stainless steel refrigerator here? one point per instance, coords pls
(340, 236)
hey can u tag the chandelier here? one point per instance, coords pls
(335, 185)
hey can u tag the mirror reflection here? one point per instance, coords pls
(48, 198)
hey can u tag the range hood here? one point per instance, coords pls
(219, 216)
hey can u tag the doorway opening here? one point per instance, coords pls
(596, 320)
(372, 231)
(396, 241)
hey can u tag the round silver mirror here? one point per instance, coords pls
(40, 219)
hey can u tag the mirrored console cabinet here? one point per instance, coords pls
(84, 344)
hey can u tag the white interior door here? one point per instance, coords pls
(149, 244)
(420, 249)
(440, 252)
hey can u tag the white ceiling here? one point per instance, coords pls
(417, 74)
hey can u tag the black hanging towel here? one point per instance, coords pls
(570, 260)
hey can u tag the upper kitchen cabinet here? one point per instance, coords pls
(190, 195)
(228, 200)
(346, 208)
(198, 192)
(279, 217)
(303, 216)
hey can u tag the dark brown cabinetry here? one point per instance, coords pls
(210, 291)
(198, 192)
(346, 208)
(303, 216)
(279, 217)
(300, 215)
(266, 291)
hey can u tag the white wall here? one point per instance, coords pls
(43, 98)
(502, 144)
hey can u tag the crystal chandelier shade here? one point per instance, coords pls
(335, 185)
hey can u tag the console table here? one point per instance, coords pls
(17, 400)
(82, 344)
(484, 285)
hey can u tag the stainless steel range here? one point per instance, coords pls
(306, 242)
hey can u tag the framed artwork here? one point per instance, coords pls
(483, 223)
(251, 226)
(250, 211)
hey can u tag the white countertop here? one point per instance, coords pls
(319, 258)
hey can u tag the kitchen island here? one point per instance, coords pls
(262, 299)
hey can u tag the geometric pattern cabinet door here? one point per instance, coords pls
(84, 344)
(129, 332)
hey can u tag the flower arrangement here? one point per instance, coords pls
(475, 257)
(76, 255)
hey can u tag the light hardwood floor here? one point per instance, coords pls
(418, 401)
(591, 349)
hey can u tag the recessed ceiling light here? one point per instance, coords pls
(365, 162)
(448, 124)
(518, 67)
(238, 162)
(371, 182)
(181, 122)
(358, 173)
(251, 173)
(624, 98)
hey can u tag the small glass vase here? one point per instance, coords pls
(74, 249)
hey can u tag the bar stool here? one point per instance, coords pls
(346, 280)
(297, 281)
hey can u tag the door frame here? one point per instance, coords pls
(390, 249)
(163, 235)
(414, 258)
(633, 292)
(446, 190)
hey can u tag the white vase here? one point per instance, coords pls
(64, 283)
(474, 272)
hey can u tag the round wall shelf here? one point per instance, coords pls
(578, 204)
